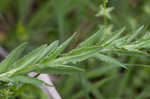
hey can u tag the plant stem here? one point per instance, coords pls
(105, 19)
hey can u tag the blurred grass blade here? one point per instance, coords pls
(69, 84)
(96, 92)
(100, 71)
(94, 86)
(36, 17)
(23, 7)
(4, 4)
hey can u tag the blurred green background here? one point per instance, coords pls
(43, 21)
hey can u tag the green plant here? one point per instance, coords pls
(43, 21)
(49, 58)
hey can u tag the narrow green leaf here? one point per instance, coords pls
(36, 17)
(138, 65)
(109, 59)
(94, 86)
(78, 51)
(69, 84)
(21, 68)
(23, 7)
(60, 48)
(12, 57)
(135, 34)
(29, 80)
(114, 37)
(47, 51)
(96, 92)
(95, 37)
(60, 67)
(137, 53)
(27, 60)
(76, 56)
(42, 55)
(97, 72)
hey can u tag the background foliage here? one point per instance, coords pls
(43, 21)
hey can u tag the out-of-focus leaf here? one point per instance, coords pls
(36, 17)
(91, 88)
(23, 8)
(21, 32)
(4, 4)
(99, 71)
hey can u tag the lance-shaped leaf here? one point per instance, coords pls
(137, 53)
(58, 69)
(19, 69)
(34, 54)
(28, 80)
(95, 37)
(60, 49)
(42, 56)
(135, 34)
(108, 59)
(114, 37)
(47, 51)
(77, 55)
(24, 63)
(12, 57)
(78, 51)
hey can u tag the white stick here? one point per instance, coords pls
(50, 91)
